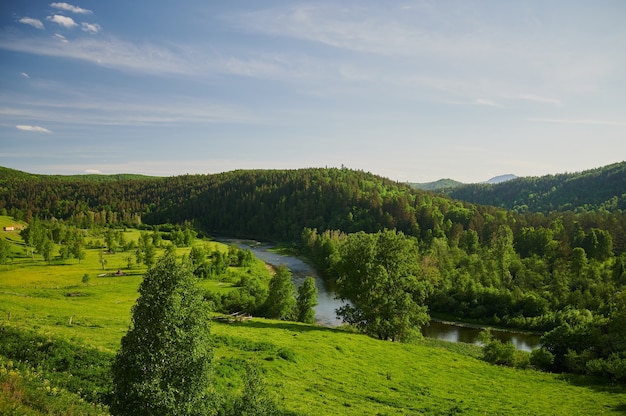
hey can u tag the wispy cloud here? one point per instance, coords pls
(37, 129)
(596, 122)
(91, 27)
(93, 171)
(488, 103)
(539, 99)
(70, 8)
(64, 21)
(98, 107)
(36, 23)
(111, 52)
(60, 37)
(24, 74)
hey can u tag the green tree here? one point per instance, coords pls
(255, 399)
(4, 251)
(306, 301)
(149, 255)
(163, 365)
(380, 276)
(281, 300)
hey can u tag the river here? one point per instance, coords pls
(327, 303)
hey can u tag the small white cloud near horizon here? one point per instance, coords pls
(93, 171)
(37, 129)
(64, 21)
(36, 23)
(70, 8)
(488, 103)
(24, 74)
(91, 28)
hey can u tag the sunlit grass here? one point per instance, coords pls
(310, 370)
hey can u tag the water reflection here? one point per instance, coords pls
(456, 333)
(325, 310)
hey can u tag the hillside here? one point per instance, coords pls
(307, 369)
(604, 187)
(437, 185)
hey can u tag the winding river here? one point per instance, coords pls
(325, 310)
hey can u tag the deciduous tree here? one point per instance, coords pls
(163, 365)
(307, 300)
(379, 275)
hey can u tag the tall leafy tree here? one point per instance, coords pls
(379, 275)
(163, 365)
(307, 300)
(281, 298)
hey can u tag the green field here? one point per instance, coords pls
(308, 369)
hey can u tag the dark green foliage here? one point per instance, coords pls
(281, 300)
(80, 370)
(542, 359)
(593, 189)
(163, 365)
(4, 251)
(307, 300)
(502, 353)
(380, 277)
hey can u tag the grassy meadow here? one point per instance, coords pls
(308, 369)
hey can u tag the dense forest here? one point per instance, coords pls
(601, 188)
(540, 266)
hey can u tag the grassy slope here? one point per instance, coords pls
(309, 369)
(334, 372)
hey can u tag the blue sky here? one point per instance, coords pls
(411, 90)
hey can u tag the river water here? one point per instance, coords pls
(325, 310)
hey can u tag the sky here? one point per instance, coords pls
(410, 90)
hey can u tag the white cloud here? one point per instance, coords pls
(64, 21)
(539, 99)
(111, 52)
(488, 103)
(93, 171)
(24, 74)
(91, 27)
(37, 129)
(70, 8)
(36, 23)
(60, 37)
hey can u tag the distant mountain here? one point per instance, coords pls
(601, 188)
(501, 178)
(437, 185)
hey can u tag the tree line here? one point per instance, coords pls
(600, 188)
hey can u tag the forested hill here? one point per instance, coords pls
(603, 187)
(277, 205)
(269, 204)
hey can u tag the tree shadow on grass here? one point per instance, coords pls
(597, 384)
(286, 325)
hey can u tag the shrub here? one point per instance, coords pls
(542, 359)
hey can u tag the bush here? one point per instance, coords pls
(85, 278)
(542, 359)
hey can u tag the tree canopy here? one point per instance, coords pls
(380, 278)
(163, 365)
